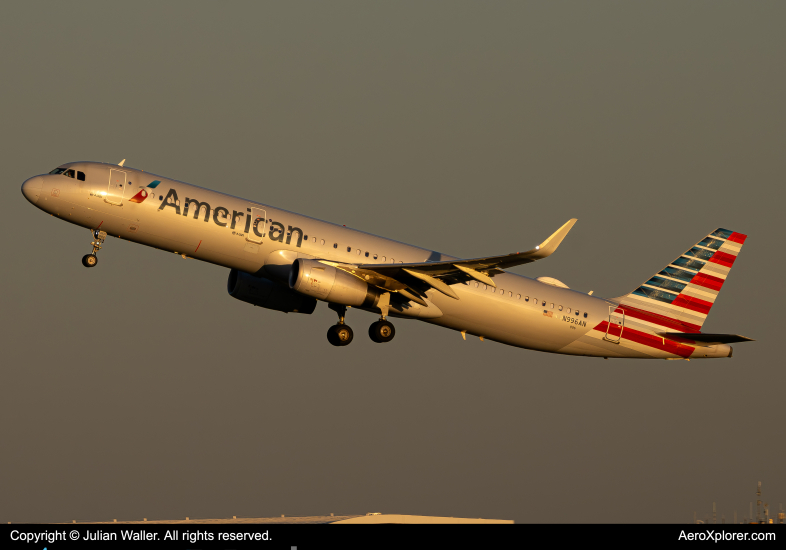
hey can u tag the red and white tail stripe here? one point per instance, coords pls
(680, 296)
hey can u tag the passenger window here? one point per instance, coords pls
(510, 294)
(358, 252)
(314, 239)
(335, 245)
(585, 314)
(577, 313)
(560, 308)
(80, 176)
(485, 287)
(392, 261)
(526, 298)
(502, 291)
(384, 258)
(366, 254)
(375, 256)
(476, 285)
(518, 296)
(322, 241)
(544, 303)
(305, 238)
(349, 249)
(535, 301)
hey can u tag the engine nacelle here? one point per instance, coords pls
(265, 293)
(326, 283)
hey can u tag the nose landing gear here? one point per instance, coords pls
(339, 334)
(90, 260)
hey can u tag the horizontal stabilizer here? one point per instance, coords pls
(701, 339)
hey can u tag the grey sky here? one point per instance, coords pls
(141, 389)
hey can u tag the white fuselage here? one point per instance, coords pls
(214, 227)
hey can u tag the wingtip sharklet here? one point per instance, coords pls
(547, 247)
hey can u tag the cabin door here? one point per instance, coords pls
(117, 187)
(615, 326)
(256, 230)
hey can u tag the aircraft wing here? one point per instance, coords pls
(412, 280)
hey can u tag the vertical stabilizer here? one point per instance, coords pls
(681, 295)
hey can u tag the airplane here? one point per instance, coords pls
(287, 262)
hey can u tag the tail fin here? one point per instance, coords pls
(681, 295)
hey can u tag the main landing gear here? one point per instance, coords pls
(339, 334)
(380, 332)
(90, 260)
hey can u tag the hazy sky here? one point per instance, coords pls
(141, 389)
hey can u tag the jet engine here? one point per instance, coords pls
(267, 294)
(326, 283)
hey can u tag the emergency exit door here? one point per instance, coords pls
(256, 229)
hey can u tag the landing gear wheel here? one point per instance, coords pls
(381, 332)
(90, 260)
(340, 335)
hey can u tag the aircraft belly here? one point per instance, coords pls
(587, 345)
(635, 341)
(137, 224)
(496, 318)
(122, 222)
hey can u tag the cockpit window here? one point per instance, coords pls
(69, 173)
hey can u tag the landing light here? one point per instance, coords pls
(103, 192)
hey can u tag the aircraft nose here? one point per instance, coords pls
(31, 189)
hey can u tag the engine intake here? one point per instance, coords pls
(326, 283)
(267, 294)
